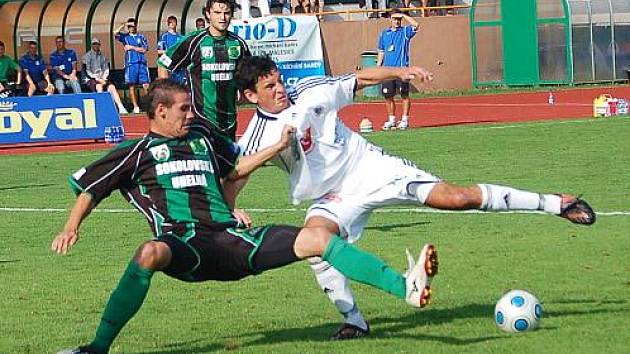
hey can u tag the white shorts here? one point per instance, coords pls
(378, 181)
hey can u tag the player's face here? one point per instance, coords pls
(32, 49)
(172, 25)
(59, 43)
(271, 95)
(396, 20)
(219, 17)
(1, 50)
(174, 121)
(131, 27)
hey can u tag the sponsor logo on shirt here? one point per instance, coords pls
(178, 166)
(198, 146)
(207, 52)
(160, 153)
(234, 52)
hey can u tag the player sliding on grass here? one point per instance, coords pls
(347, 177)
(171, 175)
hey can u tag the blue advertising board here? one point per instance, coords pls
(56, 118)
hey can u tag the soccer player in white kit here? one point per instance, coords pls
(347, 177)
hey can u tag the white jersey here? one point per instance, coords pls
(324, 149)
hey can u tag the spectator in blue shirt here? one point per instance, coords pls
(63, 63)
(136, 69)
(35, 72)
(393, 50)
(167, 39)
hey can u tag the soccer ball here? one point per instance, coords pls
(518, 311)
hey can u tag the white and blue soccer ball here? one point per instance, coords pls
(518, 311)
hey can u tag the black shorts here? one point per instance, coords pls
(391, 87)
(231, 254)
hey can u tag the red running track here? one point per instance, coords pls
(426, 112)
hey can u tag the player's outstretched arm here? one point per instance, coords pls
(376, 75)
(249, 163)
(70, 233)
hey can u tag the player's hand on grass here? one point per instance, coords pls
(242, 217)
(416, 72)
(64, 241)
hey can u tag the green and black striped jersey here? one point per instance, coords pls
(174, 182)
(211, 63)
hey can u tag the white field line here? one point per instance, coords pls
(302, 210)
(489, 104)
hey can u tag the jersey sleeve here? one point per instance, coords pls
(178, 55)
(161, 44)
(329, 92)
(227, 153)
(121, 37)
(381, 42)
(410, 32)
(112, 171)
(145, 42)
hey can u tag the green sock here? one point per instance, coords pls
(123, 304)
(364, 267)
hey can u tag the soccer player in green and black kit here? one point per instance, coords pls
(211, 56)
(171, 175)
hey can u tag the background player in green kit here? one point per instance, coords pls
(171, 175)
(211, 56)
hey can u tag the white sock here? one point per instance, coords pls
(404, 118)
(392, 119)
(497, 198)
(336, 286)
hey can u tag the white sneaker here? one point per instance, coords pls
(419, 275)
(402, 125)
(122, 110)
(136, 110)
(389, 125)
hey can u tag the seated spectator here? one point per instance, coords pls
(200, 23)
(263, 6)
(63, 63)
(35, 72)
(8, 68)
(96, 67)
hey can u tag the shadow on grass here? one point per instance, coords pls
(26, 186)
(382, 328)
(393, 327)
(390, 227)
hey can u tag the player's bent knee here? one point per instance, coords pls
(153, 255)
(311, 241)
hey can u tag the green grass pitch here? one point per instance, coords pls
(581, 274)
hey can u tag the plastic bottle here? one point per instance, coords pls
(551, 99)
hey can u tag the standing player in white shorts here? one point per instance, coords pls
(347, 177)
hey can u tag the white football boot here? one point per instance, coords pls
(402, 125)
(389, 125)
(419, 275)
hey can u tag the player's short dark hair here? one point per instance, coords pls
(29, 43)
(230, 3)
(1, 44)
(162, 91)
(171, 18)
(251, 68)
(132, 20)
